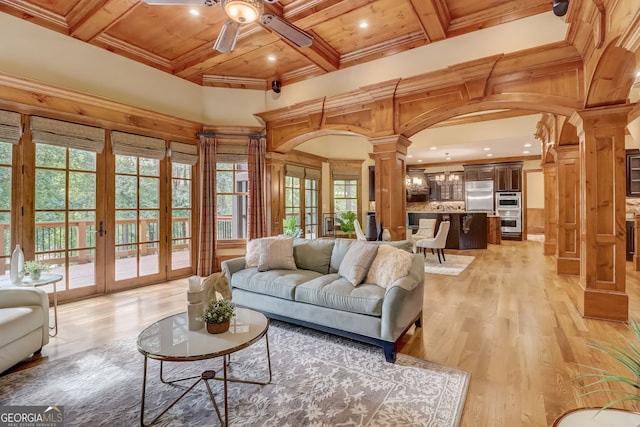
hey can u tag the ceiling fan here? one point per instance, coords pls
(241, 12)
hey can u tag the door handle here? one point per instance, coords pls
(101, 230)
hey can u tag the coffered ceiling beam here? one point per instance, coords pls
(499, 14)
(434, 18)
(96, 22)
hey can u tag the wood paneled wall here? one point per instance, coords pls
(568, 182)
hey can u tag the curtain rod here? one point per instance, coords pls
(229, 135)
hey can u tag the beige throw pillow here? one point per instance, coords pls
(356, 261)
(389, 265)
(277, 254)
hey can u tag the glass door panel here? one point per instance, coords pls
(65, 216)
(6, 193)
(137, 219)
(181, 215)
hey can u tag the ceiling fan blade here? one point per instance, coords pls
(181, 2)
(228, 36)
(289, 31)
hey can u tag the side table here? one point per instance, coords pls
(595, 417)
(45, 279)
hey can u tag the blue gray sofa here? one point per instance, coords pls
(316, 296)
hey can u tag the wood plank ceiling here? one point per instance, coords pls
(171, 39)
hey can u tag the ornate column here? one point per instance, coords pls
(550, 208)
(275, 192)
(568, 209)
(602, 163)
(389, 153)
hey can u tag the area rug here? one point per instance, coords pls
(453, 266)
(318, 380)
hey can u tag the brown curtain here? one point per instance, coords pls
(256, 215)
(206, 252)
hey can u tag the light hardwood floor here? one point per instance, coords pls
(508, 319)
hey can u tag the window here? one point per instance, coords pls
(232, 185)
(181, 215)
(5, 206)
(301, 198)
(292, 198)
(345, 195)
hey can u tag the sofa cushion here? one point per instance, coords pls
(357, 260)
(312, 254)
(336, 292)
(389, 265)
(276, 254)
(252, 258)
(405, 245)
(17, 322)
(340, 248)
(278, 283)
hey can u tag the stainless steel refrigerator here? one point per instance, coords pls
(478, 196)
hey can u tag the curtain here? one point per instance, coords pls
(206, 252)
(256, 215)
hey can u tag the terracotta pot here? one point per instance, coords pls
(218, 328)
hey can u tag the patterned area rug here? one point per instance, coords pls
(318, 380)
(453, 266)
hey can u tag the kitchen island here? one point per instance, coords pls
(468, 229)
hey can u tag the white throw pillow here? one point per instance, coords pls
(252, 258)
(389, 265)
(276, 254)
(356, 261)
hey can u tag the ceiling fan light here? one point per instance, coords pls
(243, 11)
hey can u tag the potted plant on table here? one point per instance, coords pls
(217, 315)
(347, 222)
(34, 269)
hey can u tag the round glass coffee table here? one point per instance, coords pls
(170, 340)
(595, 417)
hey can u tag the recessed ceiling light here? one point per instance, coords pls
(527, 145)
(409, 155)
(638, 74)
(434, 148)
(194, 12)
(420, 161)
(271, 57)
(363, 25)
(526, 152)
(447, 158)
(486, 149)
(489, 155)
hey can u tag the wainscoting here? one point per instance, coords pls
(535, 220)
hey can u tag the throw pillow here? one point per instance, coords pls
(389, 265)
(277, 254)
(356, 261)
(252, 258)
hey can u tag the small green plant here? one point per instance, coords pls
(346, 221)
(627, 355)
(290, 227)
(35, 268)
(218, 311)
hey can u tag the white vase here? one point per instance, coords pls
(16, 273)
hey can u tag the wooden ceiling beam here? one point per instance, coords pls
(36, 14)
(434, 18)
(83, 10)
(96, 21)
(505, 12)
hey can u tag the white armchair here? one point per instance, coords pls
(24, 324)
(359, 233)
(426, 227)
(438, 243)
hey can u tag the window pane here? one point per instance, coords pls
(224, 182)
(50, 189)
(82, 190)
(5, 188)
(149, 226)
(149, 193)
(82, 160)
(232, 217)
(149, 167)
(126, 164)
(50, 231)
(126, 192)
(180, 170)
(181, 196)
(51, 156)
(5, 153)
(181, 224)
(82, 226)
(126, 227)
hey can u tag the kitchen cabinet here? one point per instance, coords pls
(508, 177)
(448, 191)
(633, 173)
(479, 172)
